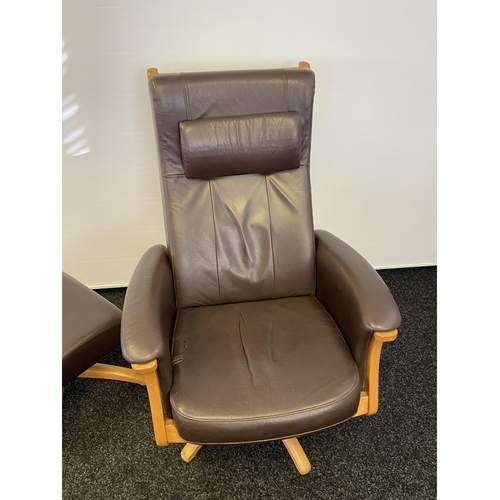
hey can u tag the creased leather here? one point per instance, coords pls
(256, 371)
(236, 145)
(149, 313)
(90, 328)
(241, 238)
(353, 293)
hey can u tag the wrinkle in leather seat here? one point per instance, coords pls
(249, 366)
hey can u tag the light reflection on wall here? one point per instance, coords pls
(73, 134)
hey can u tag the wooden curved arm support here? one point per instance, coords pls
(112, 372)
(304, 65)
(164, 429)
(150, 374)
(386, 336)
(368, 403)
(145, 368)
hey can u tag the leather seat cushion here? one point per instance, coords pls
(257, 371)
(90, 328)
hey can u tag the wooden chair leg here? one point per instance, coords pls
(189, 451)
(150, 375)
(298, 456)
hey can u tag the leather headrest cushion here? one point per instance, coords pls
(236, 145)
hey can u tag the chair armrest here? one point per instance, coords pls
(353, 293)
(149, 312)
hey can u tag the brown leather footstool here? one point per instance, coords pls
(90, 331)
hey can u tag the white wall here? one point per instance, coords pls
(373, 163)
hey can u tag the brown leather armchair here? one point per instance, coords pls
(251, 326)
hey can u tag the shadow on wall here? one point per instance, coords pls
(74, 143)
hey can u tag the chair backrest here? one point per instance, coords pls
(234, 151)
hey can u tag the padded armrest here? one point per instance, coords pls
(149, 312)
(353, 293)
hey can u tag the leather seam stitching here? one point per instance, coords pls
(186, 96)
(215, 237)
(271, 233)
(184, 159)
(168, 229)
(262, 417)
(286, 89)
(174, 336)
(155, 106)
(168, 176)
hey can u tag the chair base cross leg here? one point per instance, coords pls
(298, 455)
(189, 451)
(293, 446)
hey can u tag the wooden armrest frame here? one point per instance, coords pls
(368, 403)
(113, 372)
(164, 428)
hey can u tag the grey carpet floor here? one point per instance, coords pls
(109, 452)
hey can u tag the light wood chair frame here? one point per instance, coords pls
(112, 372)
